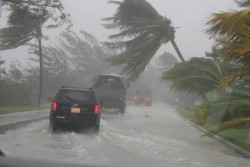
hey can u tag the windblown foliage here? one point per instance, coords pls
(231, 110)
(54, 9)
(195, 76)
(232, 31)
(142, 31)
(24, 26)
(243, 3)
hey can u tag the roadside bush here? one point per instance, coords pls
(231, 110)
(201, 113)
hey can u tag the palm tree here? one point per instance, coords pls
(198, 75)
(24, 26)
(26, 23)
(232, 31)
(142, 31)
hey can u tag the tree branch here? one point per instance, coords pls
(57, 6)
(30, 2)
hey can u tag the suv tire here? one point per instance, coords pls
(52, 126)
(97, 127)
(122, 109)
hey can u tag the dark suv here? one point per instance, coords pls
(75, 107)
(111, 91)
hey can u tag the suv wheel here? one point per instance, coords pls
(122, 109)
(52, 126)
(97, 127)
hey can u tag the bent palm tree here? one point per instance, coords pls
(24, 26)
(26, 22)
(198, 75)
(142, 31)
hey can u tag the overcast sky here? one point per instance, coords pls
(189, 15)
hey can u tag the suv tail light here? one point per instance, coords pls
(135, 97)
(54, 106)
(96, 109)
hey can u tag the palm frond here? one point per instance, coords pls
(196, 75)
(232, 31)
(243, 3)
(232, 28)
(13, 37)
(142, 30)
(227, 125)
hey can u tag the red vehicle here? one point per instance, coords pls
(142, 98)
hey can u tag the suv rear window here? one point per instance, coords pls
(109, 83)
(77, 96)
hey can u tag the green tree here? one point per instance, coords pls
(26, 22)
(55, 5)
(243, 3)
(231, 30)
(167, 59)
(230, 110)
(56, 67)
(85, 51)
(217, 54)
(13, 87)
(198, 75)
(142, 31)
(2, 69)
(24, 26)
(2, 75)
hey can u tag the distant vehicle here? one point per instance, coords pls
(111, 91)
(142, 100)
(143, 97)
(75, 107)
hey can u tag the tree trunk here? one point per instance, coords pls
(177, 50)
(41, 72)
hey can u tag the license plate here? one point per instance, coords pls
(60, 117)
(75, 110)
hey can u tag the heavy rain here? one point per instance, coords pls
(124, 83)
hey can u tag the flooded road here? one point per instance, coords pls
(143, 136)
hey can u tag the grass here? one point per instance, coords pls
(186, 113)
(239, 137)
(13, 109)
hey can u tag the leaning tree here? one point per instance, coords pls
(142, 31)
(26, 22)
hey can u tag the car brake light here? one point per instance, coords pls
(135, 97)
(54, 105)
(96, 109)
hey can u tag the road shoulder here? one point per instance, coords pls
(230, 145)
